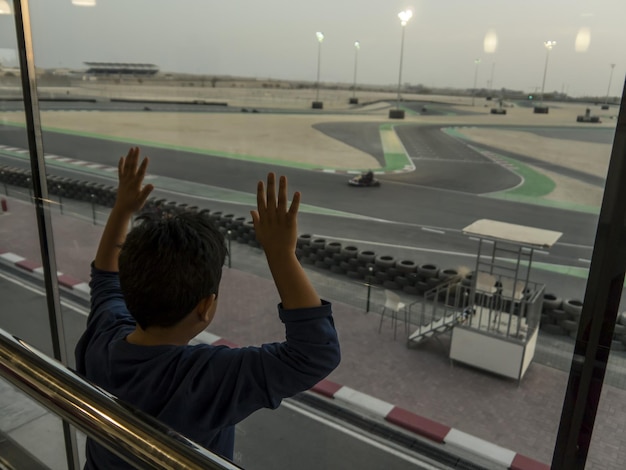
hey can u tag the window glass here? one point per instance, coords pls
(23, 314)
(30, 434)
(457, 268)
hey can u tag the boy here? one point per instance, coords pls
(156, 288)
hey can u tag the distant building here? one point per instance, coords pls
(120, 68)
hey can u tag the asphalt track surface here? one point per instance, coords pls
(422, 211)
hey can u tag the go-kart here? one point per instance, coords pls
(362, 181)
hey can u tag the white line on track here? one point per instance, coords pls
(26, 285)
(575, 245)
(403, 247)
(584, 260)
(432, 230)
(369, 441)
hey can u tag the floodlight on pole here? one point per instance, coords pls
(476, 62)
(357, 46)
(404, 16)
(548, 45)
(5, 8)
(317, 104)
(608, 89)
(320, 39)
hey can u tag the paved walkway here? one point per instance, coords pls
(522, 417)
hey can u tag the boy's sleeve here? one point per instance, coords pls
(106, 295)
(260, 377)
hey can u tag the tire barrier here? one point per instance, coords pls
(333, 247)
(366, 257)
(561, 318)
(551, 301)
(558, 317)
(428, 270)
(303, 240)
(573, 308)
(349, 252)
(447, 274)
(384, 262)
(406, 266)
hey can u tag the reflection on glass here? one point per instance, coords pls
(84, 3)
(5, 8)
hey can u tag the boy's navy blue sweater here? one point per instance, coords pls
(200, 391)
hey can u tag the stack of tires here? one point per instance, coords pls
(326, 255)
(19, 177)
(560, 317)
(382, 270)
(415, 279)
(316, 251)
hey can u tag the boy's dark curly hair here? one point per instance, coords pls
(167, 265)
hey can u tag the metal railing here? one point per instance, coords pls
(442, 307)
(132, 435)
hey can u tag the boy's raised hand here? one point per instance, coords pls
(130, 195)
(276, 225)
(276, 229)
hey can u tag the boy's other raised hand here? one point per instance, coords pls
(276, 224)
(131, 196)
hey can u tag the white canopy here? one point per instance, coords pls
(522, 234)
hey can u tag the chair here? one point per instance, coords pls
(513, 290)
(395, 305)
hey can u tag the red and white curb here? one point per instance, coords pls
(405, 419)
(427, 428)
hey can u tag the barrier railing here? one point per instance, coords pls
(133, 436)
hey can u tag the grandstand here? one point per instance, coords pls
(120, 68)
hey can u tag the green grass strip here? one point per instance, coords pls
(409, 111)
(393, 160)
(535, 184)
(573, 271)
(534, 187)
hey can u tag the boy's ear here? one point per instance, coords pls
(206, 308)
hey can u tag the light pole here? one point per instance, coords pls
(370, 270)
(541, 109)
(398, 113)
(229, 237)
(476, 63)
(317, 104)
(493, 67)
(608, 88)
(357, 46)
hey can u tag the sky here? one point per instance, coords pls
(277, 39)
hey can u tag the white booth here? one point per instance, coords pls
(501, 334)
(494, 313)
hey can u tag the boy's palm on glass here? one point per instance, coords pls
(130, 195)
(276, 225)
